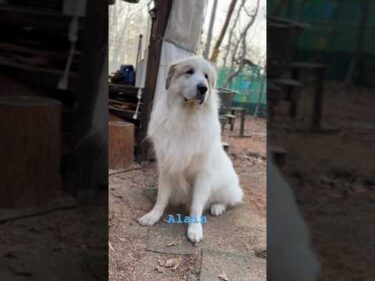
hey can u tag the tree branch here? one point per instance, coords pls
(231, 31)
(242, 40)
(216, 50)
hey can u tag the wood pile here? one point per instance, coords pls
(34, 45)
(123, 102)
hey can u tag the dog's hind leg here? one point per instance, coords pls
(164, 193)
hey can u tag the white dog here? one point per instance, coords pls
(193, 167)
(290, 257)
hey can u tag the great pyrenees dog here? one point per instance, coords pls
(184, 128)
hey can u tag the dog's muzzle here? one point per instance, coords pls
(201, 92)
(199, 96)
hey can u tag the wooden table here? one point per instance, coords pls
(319, 71)
(242, 110)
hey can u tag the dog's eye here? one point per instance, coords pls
(205, 75)
(190, 71)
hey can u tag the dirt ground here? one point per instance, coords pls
(333, 177)
(234, 243)
(42, 243)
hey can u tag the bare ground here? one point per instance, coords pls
(332, 174)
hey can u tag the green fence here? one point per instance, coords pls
(334, 33)
(250, 85)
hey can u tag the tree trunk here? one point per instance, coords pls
(216, 50)
(231, 32)
(29, 151)
(260, 96)
(359, 43)
(209, 34)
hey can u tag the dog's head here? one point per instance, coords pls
(193, 79)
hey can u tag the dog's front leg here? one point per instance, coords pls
(164, 193)
(201, 194)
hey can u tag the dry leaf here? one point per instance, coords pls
(169, 263)
(177, 264)
(223, 276)
(173, 262)
(177, 241)
(110, 246)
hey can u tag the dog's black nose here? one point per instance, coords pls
(202, 89)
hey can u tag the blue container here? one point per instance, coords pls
(128, 74)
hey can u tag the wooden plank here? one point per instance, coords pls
(5, 61)
(10, 16)
(11, 47)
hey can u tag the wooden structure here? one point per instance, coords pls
(121, 144)
(285, 75)
(30, 150)
(123, 99)
(34, 51)
(158, 27)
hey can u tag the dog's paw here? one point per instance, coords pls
(148, 219)
(217, 209)
(195, 232)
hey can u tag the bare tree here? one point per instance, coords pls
(242, 40)
(209, 35)
(231, 31)
(216, 49)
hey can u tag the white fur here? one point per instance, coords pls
(194, 170)
(290, 257)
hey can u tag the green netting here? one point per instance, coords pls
(333, 33)
(248, 84)
(334, 24)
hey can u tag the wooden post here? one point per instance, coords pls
(89, 149)
(318, 98)
(242, 128)
(293, 94)
(159, 25)
(29, 151)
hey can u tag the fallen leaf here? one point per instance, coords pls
(177, 264)
(172, 262)
(177, 241)
(223, 276)
(169, 263)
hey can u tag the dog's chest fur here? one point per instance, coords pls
(183, 135)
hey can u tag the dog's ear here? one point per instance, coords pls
(171, 71)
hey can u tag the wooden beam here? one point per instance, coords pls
(11, 16)
(158, 28)
(89, 156)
